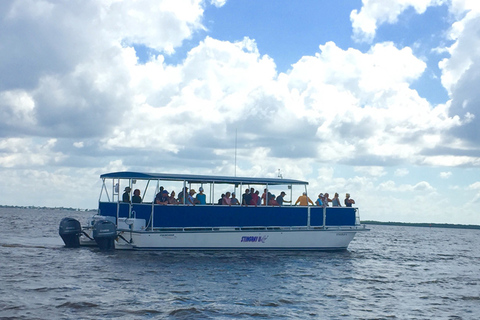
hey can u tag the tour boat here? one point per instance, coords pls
(210, 226)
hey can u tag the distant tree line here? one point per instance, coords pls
(424, 225)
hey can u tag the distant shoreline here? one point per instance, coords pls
(423, 225)
(372, 222)
(46, 208)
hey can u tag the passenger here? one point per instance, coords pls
(326, 199)
(272, 201)
(190, 200)
(201, 197)
(259, 200)
(255, 198)
(180, 196)
(234, 200)
(319, 201)
(220, 201)
(264, 196)
(280, 199)
(348, 201)
(163, 199)
(126, 194)
(172, 199)
(226, 199)
(336, 201)
(246, 198)
(136, 196)
(304, 200)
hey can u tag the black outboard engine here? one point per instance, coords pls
(70, 231)
(105, 233)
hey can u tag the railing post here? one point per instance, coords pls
(308, 219)
(324, 215)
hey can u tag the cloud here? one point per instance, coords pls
(445, 174)
(461, 77)
(376, 12)
(371, 171)
(401, 172)
(422, 186)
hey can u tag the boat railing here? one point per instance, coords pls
(219, 216)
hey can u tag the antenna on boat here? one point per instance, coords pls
(235, 169)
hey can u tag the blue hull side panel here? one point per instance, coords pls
(178, 216)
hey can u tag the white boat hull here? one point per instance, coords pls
(321, 239)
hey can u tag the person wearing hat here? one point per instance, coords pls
(319, 201)
(190, 200)
(201, 198)
(304, 200)
(280, 199)
(126, 194)
(162, 198)
(348, 201)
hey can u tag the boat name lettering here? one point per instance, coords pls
(261, 239)
(341, 233)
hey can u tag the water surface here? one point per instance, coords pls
(388, 273)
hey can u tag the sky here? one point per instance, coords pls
(377, 98)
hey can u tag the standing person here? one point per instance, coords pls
(234, 200)
(190, 200)
(348, 200)
(326, 199)
(336, 201)
(136, 196)
(319, 201)
(271, 200)
(162, 198)
(280, 199)
(265, 196)
(304, 200)
(126, 194)
(255, 197)
(183, 194)
(226, 199)
(172, 199)
(201, 197)
(246, 197)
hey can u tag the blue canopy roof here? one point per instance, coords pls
(191, 178)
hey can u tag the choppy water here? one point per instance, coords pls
(387, 273)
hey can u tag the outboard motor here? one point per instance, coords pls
(104, 233)
(70, 231)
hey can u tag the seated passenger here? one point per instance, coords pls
(136, 196)
(319, 201)
(348, 201)
(304, 200)
(201, 197)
